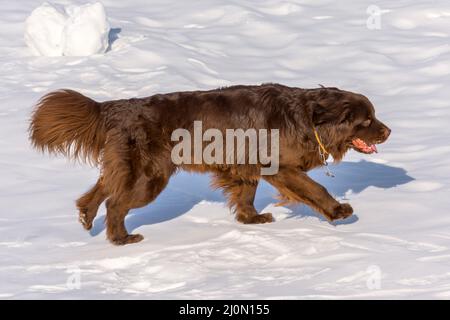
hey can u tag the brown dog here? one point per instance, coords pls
(131, 141)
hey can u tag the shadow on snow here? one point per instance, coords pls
(186, 190)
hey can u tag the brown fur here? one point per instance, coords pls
(69, 123)
(130, 140)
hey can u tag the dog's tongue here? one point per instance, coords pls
(361, 145)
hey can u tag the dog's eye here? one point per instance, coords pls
(366, 123)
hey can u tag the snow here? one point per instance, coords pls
(74, 30)
(397, 245)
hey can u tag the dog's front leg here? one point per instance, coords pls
(295, 186)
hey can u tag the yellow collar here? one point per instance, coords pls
(322, 147)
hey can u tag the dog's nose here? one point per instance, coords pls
(386, 132)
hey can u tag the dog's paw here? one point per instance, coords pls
(85, 219)
(260, 218)
(342, 211)
(129, 239)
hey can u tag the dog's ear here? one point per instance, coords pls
(320, 114)
(336, 114)
(346, 114)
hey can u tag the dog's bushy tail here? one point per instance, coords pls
(69, 123)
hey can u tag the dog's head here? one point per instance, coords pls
(349, 121)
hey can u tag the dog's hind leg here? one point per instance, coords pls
(241, 195)
(145, 190)
(88, 203)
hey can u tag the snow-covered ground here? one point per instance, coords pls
(396, 246)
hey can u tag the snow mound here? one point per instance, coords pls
(53, 30)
